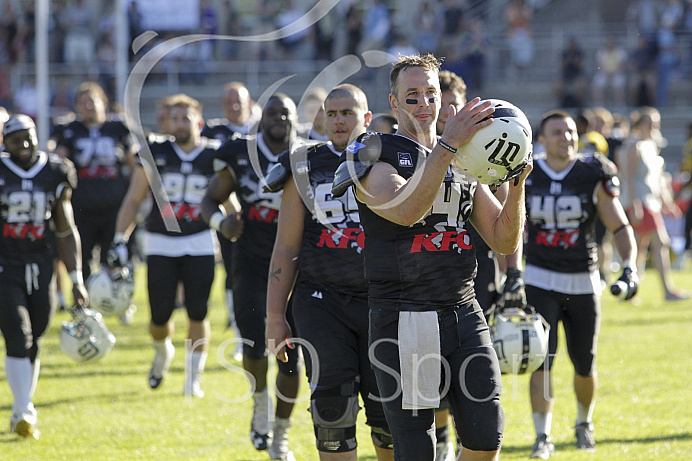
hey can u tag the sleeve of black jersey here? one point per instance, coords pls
(70, 173)
(607, 172)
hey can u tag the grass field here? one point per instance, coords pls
(106, 411)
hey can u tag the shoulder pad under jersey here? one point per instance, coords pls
(347, 174)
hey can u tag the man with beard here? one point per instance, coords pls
(35, 190)
(260, 210)
(184, 164)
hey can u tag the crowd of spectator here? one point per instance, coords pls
(621, 73)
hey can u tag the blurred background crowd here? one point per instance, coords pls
(612, 56)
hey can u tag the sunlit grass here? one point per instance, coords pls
(106, 411)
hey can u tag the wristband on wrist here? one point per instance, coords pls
(77, 277)
(215, 221)
(446, 146)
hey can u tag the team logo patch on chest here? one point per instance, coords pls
(405, 159)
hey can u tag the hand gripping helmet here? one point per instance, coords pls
(520, 339)
(500, 151)
(86, 338)
(110, 289)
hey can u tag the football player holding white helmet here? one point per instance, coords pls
(110, 289)
(520, 339)
(86, 338)
(500, 151)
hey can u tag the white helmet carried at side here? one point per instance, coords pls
(498, 152)
(86, 338)
(520, 339)
(110, 289)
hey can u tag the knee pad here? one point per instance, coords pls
(382, 438)
(485, 431)
(334, 412)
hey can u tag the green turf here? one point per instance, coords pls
(105, 411)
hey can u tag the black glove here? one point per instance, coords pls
(118, 254)
(626, 286)
(513, 294)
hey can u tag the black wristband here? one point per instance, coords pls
(446, 146)
(620, 228)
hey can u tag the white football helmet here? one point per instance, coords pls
(498, 152)
(520, 339)
(110, 289)
(86, 338)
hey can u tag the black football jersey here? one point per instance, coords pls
(561, 213)
(249, 158)
(100, 158)
(333, 240)
(185, 177)
(27, 200)
(431, 264)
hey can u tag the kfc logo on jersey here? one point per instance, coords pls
(343, 238)
(263, 214)
(558, 238)
(441, 241)
(24, 231)
(405, 159)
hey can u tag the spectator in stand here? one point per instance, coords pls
(324, 36)
(610, 73)
(687, 41)
(26, 98)
(293, 46)
(667, 59)
(134, 21)
(644, 16)
(426, 25)
(78, 22)
(354, 26)
(230, 25)
(474, 50)
(27, 45)
(56, 33)
(572, 87)
(451, 23)
(264, 21)
(378, 23)
(519, 18)
(642, 73)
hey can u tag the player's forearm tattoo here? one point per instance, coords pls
(274, 274)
